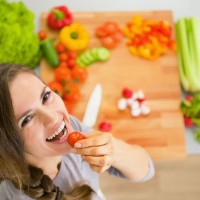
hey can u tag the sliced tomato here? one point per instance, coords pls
(108, 42)
(101, 32)
(111, 27)
(56, 87)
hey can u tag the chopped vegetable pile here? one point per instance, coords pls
(19, 44)
(190, 107)
(147, 38)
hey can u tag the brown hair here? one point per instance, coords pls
(13, 165)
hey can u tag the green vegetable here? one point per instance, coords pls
(49, 52)
(93, 55)
(18, 42)
(188, 43)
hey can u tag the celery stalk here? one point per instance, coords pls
(186, 49)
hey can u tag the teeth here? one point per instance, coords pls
(57, 131)
(65, 133)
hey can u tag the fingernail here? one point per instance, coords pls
(77, 145)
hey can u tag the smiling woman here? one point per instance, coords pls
(35, 158)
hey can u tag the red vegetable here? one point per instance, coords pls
(74, 137)
(105, 126)
(59, 17)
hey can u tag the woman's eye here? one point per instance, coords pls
(46, 96)
(25, 121)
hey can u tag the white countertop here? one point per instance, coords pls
(180, 8)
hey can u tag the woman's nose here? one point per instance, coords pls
(48, 116)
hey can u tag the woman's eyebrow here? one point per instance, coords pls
(26, 113)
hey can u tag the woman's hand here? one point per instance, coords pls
(99, 149)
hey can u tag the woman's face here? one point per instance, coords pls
(41, 115)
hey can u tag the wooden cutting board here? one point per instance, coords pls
(162, 132)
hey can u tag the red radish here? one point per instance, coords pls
(105, 126)
(127, 93)
(74, 137)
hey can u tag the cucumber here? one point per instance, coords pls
(49, 52)
(93, 55)
(103, 54)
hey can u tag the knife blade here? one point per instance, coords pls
(93, 105)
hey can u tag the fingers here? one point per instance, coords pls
(98, 161)
(94, 139)
(99, 164)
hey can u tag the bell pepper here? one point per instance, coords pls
(59, 17)
(75, 37)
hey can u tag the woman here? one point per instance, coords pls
(36, 162)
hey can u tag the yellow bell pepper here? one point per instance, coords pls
(75, 37)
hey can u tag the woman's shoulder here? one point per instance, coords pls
(78, 125)
(9, 191)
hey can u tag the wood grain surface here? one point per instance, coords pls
(161, 133)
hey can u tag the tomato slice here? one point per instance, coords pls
(74, 137)
(108, 42)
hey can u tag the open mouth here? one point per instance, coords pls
(58, 135)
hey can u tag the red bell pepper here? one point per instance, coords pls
(59, 17)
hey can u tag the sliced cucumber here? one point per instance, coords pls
(103, 54)
(93, 55)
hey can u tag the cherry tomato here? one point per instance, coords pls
(63, 57)
(42, 34)
(72, 93)
(80, 74)
(60, 48)
(74, 137)
(108, 42)
(71, 54)
(62, 74)
(56, 87)
(71, 63)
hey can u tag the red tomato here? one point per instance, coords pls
(60, 48)
(105, 126)
(71, 63)
(111, 27)
(100, 32)
(42, 34)
(80, 74)
(71, 54)
(72, 93)
(62, 74)
(117, 36)
(108, 42)
(68, 106)
(63, 57)
(74, 137)
(56, 87)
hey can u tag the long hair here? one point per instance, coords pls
(13, 165)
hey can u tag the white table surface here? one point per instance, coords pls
(180, 8)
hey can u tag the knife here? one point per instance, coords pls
(93, 105)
